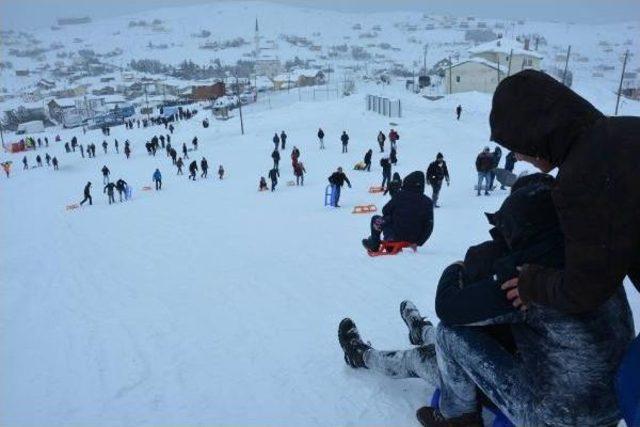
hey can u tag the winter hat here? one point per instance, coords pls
(414, 182)
(439, 156)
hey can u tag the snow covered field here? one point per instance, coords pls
(210, 303)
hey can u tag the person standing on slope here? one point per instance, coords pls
(484, 163)
(276, 141)
(393, 138)
(337, 180)
(105, 174)
(220, 172)
(345, 141)
(381, 139)
(204, 166)
(394, 185)
(299, 171)
(193, 168)
(54, 162)
(179, 164)
(121, 187)
(283, 138)
(276, 158)
(436, 173)
(458, 112)
(185, 152)
(25, 165)
(109, 190)
(273, 176)
(321, 138)
(157, 179)
(386, 171)
(367, 160)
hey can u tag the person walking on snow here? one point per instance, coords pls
(87, 194)
(345, 141)
(386, 171)
(394, 186)
(179, 164)
(262, 186)
(105, 174)
(127, 150)
(39, 161)
(7, 168)
(299, 171)
(185, 151)
(367, 160)
(295, 155)
(321, 138)
(104, 146)
(393, 156)
(47, 158)
(273, 176)
(193, 168)
(509, 164)
(204, 166)
(54, 162)
(436, 173)
(276, 141)
(82, 150)
(117, 146)
(283, 138)
(157, 179)
(220, 172)
(121, 186)
(484, 164)
(109, 190)
(174, 154)
(337, 180)
(276, 158)
(496, 156)
(25, 165)
(393, 138)
(458, 112)
(195, 143)
(381, 139)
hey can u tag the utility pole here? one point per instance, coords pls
(239, 104)
(146, 99)
(510, 57)
(450, 77)
(424, 60)
(566, 64)
(624, 66)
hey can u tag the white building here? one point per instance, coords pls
(268, 66)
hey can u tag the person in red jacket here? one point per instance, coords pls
(393, 138)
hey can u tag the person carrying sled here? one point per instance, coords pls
(484, 164)
(121, 187)
(345, 141)
(204, 166)
(367, 160)
(274, 173)
(381, 139)
(407, 217)
(109, 190)
(87, 194)
(157, 179)
(436, 173)
(193, 169)
(337, 180)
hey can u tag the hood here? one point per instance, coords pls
(526, 215)
(536, 115)
(414, 182)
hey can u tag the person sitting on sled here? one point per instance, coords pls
(407, 217)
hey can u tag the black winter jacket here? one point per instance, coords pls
(436, 173)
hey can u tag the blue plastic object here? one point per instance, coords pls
(628, 384)
(329, 196)
(500, 419)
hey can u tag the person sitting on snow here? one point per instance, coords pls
(407, 217)
(562, 360)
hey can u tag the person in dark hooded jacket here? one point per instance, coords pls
(121, 187)
(276, 158)
(394, 186)
(193, 168)
(436, 173)
(596, 192)
(407, 217)
(367, 160)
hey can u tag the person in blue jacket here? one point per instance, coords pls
(157, 178)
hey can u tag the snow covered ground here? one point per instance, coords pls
(210, 303)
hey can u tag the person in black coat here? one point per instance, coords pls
(393, 156)
(54, 162)
(185, 152)
(276, 140)
(87, 194)
(274, 173)
(109, 190)
(458, 112)
(174, 155)
(194, 142)
(436, 173)
(283, 138)
(179, 164)
(386, 171)
(193, 168)
(47, 158)
(105, 174)
(117, 146)
(276, 158)
(345, 141)
(337, 180)
(121, 186)
(367, 160)
(321, 138)
(204, 166)
(104, 146)
(381, 139)
(394, 185)
(407, 217)
(496, 156)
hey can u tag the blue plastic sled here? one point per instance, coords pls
(329, 196)
(628, 384)
(500, 419)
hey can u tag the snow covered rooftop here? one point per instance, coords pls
(502, 67)
(296, 74)
(504, 46)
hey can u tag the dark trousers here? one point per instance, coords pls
(336, 192)
(192, 175)
(85, 199)
(386, 178)
(203, 174)
(283, 143)
(158, 184)
(299, 179)
(344, 148)
(381, 144)
(120, 195)
(180, 171)
(276, 163)
(436, 186)
(273, 185)
(367, 167)
(111, 198)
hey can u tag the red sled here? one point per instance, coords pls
(392, 248)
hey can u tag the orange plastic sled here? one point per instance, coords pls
(73, 206)
(360, 209)
(376, 189)
(392, 248)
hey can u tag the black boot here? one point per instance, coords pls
(432, 417)
(370, 245)
(352, 344)
(414, 322)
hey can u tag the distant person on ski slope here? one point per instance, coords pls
(299, 171)
(109, 190)
(127, 150)
(105, 174)
(174, 154)
(496, 155)
(204, 166)
(121, 186)
(54, 162)
(345, 141)
(157, 179)
(283, 138)
(407, 217)
(386, 171)
(273, 176)
(7, 168)
(87, 194)
(509, 163)
(276, 158)
(82, 150)
(47, 158)
(321, 138)
(393, 156)
(381, 139)
(179, 164)
(195, 143)
(337, 180)
(39, 161)
(394, 136)
(262, 186)
(276, 140)
(394, 186)
(367, 160)
(436, 173)
(104, 146)
(220, 172)
(484, 163)
(458, 112)
(193, 168)
(25, 165)
(185, 151)
(295, 155)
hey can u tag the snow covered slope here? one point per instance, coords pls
(210, 303)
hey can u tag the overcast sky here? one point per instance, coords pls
(25, 13)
